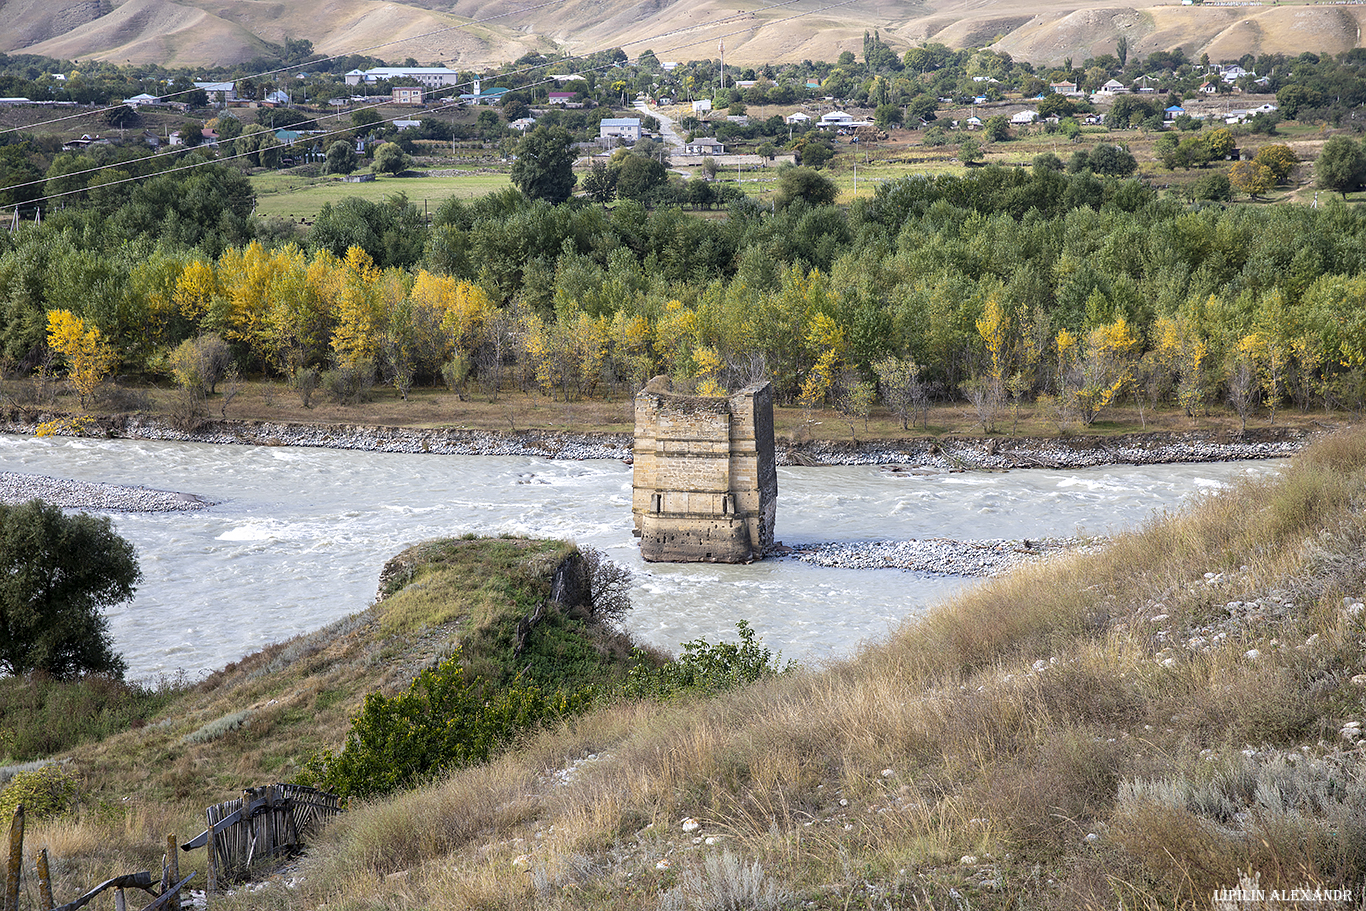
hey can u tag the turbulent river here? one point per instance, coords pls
(297, 537)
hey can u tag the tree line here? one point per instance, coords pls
(1000, 286)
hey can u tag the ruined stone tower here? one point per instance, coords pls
(705, 483)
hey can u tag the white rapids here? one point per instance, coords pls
(297, 536)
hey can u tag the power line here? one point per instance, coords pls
(310, 63)
(338, 132)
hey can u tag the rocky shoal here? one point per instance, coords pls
(937, 556)
(69, 494)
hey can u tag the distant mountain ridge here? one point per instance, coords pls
(476, 33)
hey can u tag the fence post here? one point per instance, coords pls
(16, 860)
(211, 874)
(45, 882)
(172, 873)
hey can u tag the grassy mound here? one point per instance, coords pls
(1139, 727)
(145, 764)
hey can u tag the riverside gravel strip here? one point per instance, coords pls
(937, 556)
(20, 488)
(947, 454)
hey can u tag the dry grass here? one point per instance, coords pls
(1132, 727)
(1097, 732)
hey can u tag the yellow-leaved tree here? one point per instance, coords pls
(88, 357)
(355, 340)
(827, 338)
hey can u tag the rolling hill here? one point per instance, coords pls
(473, 33)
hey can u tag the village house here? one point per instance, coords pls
(624, 128)
(704, 147)
(1024, 118)
(835, 119)
(432, 77)
(561, 98)
(408, 94)
(219, 92)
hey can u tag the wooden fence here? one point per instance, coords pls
(165, 894)
(262, 823)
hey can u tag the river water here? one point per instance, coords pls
(298, 536)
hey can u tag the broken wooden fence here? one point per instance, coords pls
(261, 823)
(165, 894)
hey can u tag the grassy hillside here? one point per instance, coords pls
(475, 33)
(260, 719)
(1137, 727)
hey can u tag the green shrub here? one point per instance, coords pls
(443, 721)
(350, 385)
(707, 668)
(40, 716)
(46, 791)
(218, 727)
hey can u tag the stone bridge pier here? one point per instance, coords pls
(705, 487)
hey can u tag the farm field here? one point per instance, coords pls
(297, 198)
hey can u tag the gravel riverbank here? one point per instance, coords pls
(88, 495)
(944, 453)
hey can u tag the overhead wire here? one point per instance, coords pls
(320, 136)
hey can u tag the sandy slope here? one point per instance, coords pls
(190, 32)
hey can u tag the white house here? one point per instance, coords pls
(836, 119)
(1064, 88)
(1208, 88)
(1114, 87)
(1022, 118)
(797, 118)
(627, 128)
(704, 147)
(139, 100)
(219, 92)
(277, 97)
(432, 77)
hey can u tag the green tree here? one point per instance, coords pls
(57, 573)
(1340, 166)
(600, 183)
(365, 119)
(997, 128)
(970, 151)
(637, 177)
(341, 157)
(390, 159)
(544, 168)
(805, 184)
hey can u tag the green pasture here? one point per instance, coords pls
(295, 198)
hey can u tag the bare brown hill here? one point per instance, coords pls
(471, 33)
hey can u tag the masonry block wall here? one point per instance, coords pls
(705, 485)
